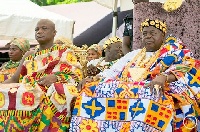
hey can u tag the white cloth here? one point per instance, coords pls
(120, 64)
(95, 61)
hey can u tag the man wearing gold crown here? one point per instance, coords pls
(149, 89)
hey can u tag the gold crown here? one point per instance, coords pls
(111, 41)
(155, 23)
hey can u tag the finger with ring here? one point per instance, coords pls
(157, 88)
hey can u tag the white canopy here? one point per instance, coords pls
(123, 4)
(18, 18)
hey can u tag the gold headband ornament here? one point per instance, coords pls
(97, 48)
(155, 23)
(111, 41)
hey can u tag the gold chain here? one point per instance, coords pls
(140, 62)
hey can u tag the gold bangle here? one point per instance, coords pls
(59, 79)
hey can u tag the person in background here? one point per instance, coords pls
(17, 48)
(128, 30)
(64, 41)
(113, 52)
(128, 34)
(94, 52)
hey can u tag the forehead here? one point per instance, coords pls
(91, 51)
(150, 28)
(44, 23)
(13, 46)
(117, 44)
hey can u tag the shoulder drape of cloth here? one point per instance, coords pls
(32, 107)
(117, 105)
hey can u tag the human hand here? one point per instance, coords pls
(47, 80)
(92, 70)
(83, 82)
(157, 85)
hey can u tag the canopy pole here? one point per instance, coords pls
(115, 16)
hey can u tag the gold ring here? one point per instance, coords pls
(156, 86)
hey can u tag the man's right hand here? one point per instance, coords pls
(83, 82)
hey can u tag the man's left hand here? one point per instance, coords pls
(47, 80)
(157, 85)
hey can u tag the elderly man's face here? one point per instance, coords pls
(138, 1)
(152, 38)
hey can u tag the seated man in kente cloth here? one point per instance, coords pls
(151, 89)
(39, 94)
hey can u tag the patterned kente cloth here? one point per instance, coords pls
(35, 108)
(114, 105)
(8, 69)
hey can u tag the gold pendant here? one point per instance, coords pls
(171, 5)
(136, 73)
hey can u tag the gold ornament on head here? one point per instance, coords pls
(157, 88)
(111, 41)
(155, 23)
(171, 5)
(97, 48)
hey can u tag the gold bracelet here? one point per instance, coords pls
(59, 79)
(167, 79)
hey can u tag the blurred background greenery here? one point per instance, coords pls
(56, 2)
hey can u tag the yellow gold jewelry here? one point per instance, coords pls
(137, 69)
(160, 25)
(157, 88)
(171, 5)
(111, 41)
(59, 79)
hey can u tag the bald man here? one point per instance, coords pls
(49, 76)
(44, 34)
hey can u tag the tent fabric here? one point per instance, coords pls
(123, 4)
(100, 30)
(85, 14)
(93, 22)
(18, 18)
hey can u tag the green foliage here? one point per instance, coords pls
(55, 2)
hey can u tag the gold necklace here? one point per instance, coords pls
(141, 66)
(125, 72)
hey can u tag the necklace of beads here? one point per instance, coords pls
(11, 64)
